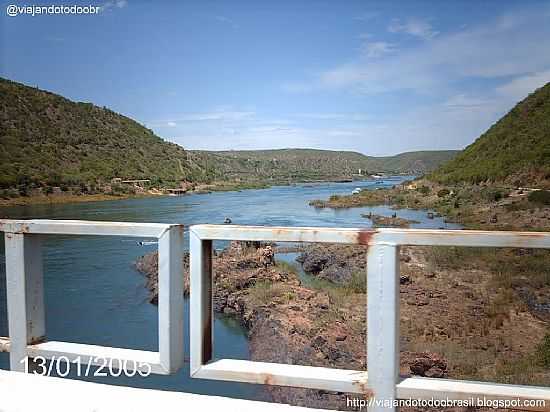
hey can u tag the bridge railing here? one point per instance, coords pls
(25, 295)
(382, 382)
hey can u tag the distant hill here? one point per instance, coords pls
(311, 164)
(49, 140)
(515, 149)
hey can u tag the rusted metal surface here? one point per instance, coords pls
(266, 373)
(364, 236)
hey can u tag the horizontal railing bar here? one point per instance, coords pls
(473, 238)
(442, 389)
(139, 360)
(366, 236)
(285, 375)
(282, 234)
(84, 227)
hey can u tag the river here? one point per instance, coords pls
(94, 295)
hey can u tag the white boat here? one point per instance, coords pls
(356, 191)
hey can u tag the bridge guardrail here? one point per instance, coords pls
(27, 327)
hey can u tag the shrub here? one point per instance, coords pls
(543, 352)
(540, 196)
(424, 190)
(264, 292)
(443, 192)
(358, 282)
(493, 195)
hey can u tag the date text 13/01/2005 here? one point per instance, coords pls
(62, 366)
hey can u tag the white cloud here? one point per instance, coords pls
(511, 45)
(333, 116)
(119, 4)
(520, 87)
(220, 115)
(377, 48)
(414, 27)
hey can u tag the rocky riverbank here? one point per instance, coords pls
(319, 326)
(454, 322)
(470, 304)
(388, 221)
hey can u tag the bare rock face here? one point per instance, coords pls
(335, 263)
(429, 365)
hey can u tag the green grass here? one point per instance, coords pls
(516, 147)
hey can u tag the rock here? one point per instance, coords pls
(429, 365)
(405, 258)
(318, 342)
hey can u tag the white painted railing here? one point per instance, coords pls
(25, 295)
(26, 307)
(383, 381)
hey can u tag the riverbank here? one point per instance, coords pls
(101, 197)
(312, 326)
(61, 199)
(487, 207)
(450, 325)
(486, 291)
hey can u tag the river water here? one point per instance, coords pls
(94, 295)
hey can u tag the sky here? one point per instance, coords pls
(375, 77)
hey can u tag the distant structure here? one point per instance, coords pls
(135, 182)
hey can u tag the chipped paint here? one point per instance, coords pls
(364, 236)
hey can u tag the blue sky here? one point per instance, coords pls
(375, 77)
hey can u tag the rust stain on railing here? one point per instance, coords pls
(364, 236)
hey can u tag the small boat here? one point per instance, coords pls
(227, 221)
(147, 243)
(356, 191)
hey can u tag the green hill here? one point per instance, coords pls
(515, 149)
(309, 164)
(47, 140)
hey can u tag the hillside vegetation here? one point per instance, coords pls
(49, 140)
(308, 164)
(515, 149)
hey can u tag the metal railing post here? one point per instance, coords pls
(170, 301)
(201, 301)
(383, 324)
(25, 295)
